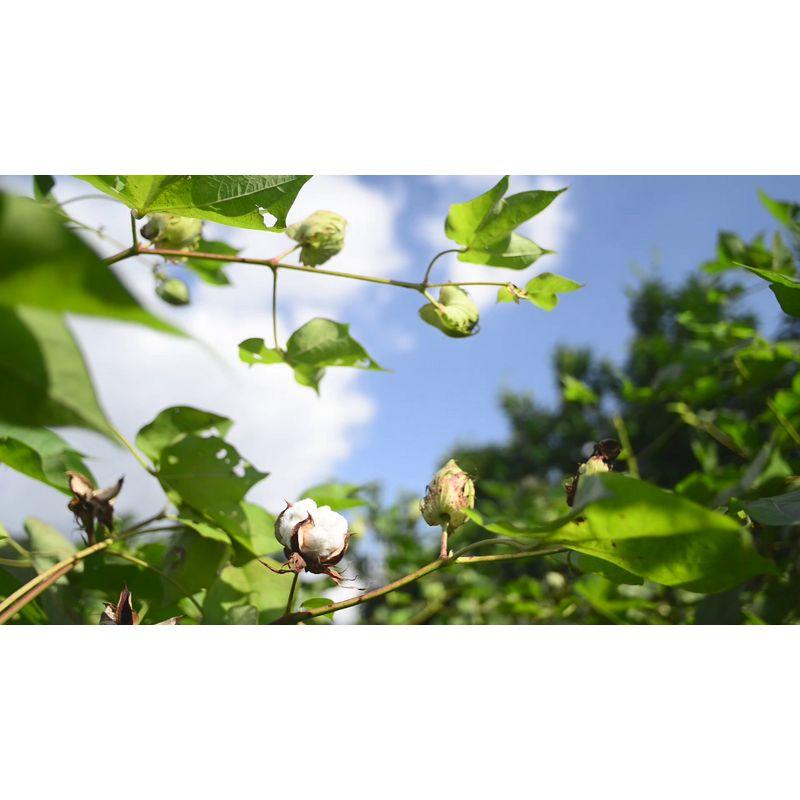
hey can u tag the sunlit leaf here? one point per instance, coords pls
(238, 200)
(239, 588)
(174, 423)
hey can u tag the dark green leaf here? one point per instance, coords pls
(781, 510)
(238, 200)
(238, 589)
(43, 186)
(786, 290)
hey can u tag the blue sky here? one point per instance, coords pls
(446, 390)
(394, 427)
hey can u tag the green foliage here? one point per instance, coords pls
(786, 290)
(541, 291)
(238, 200)
(485, 225)
(43, 373)
(313, 347)
(41, 454)
(47, 266)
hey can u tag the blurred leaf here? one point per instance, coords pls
(315, 602)
(250, 586)
(207, 269)
(173, 424)
(339, 496)
(663, 537)
(43, 374)
(787, 214)
(42, 186)
(781, 510)
(193, 561)
(40, 454)
(576, 391)
(45, 265)
(254, 351)
(48, 546)
(238, 200)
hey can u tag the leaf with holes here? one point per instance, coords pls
(238, 200)
(174, 423)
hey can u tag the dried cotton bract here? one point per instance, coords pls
(448, 496)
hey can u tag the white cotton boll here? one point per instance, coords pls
(297, 512)
(327, 537)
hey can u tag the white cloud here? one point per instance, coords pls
(549, 229)
(280, 426)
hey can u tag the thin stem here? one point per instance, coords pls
(625, 439)
(434, 260)
(19, 602)
(15, 562)
(300, 616)
(133, 451)
(467, 283)
(275, 307)
(290, 601)
(142, 563)
(134, 234)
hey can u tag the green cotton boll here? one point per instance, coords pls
(173, 291)
(456, 314)
(320, 235)
(448, 496)
(172, 232)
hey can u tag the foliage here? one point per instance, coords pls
(703, 528)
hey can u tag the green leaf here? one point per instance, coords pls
(254, 351)
(194, 562)
(576, 391)
(316, 602)
(541, 291)
(318, 344)
(43, 374)
(662, 537)
(207, 269)
(513, 252)
(608, 570)
(786, 213)
(781, 510)
(238, 589)
(339, 496)
(42, 186)
(40, 454)
(485, 225)
(786, 290)
(45, 265)
(48, 546)
(173, 424)
(238, 200)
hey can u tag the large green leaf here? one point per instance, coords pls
(250, 594)
(662, 537)
(43, 374)
(339, 496)
(40, 454)
(173, 424)
(485, 226)
(45, 265)
(318, 344)
(238, 200)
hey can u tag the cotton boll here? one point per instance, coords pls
(326, 537)
(291, 516)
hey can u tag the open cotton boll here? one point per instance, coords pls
(327, 536)
(292, 515)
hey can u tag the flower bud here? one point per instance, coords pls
(320, 235)
(173, 291)
(173, 232)
(455, 314)
(449, 494)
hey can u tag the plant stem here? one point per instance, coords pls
(299, 616)
(275, 307)
(290, 601)
(267, 262)
(134, 235)
(434, 260)
(467, 283)
(622, 432)
(133, 451)
(33, 588)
